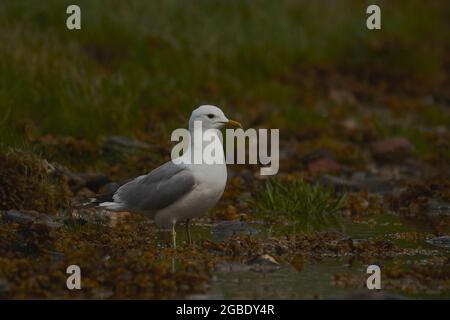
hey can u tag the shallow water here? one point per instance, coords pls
(287, 283)
(315, 279)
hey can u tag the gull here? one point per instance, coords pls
(179, 189)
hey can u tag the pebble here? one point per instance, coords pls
(30, 217)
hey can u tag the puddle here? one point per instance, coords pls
(315, 280)
(336, 275)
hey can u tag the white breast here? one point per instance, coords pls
(210, 184)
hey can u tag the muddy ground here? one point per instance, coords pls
(395, 214)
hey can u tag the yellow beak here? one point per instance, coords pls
(233, 124)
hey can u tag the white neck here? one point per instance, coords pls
(205, 146)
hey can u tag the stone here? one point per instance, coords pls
(320, 161)
(323, 165)
(437, 208)
(125, 144)
(74, 181)
(109, 188)
(443, 241)
(392, 149)
(263, 263)
(94, 181)
(350, 125)
(317, 154)
(30, 217)
(371, 185)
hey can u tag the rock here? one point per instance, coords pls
(264, 259)
(372, 185)
(431, 208)
(320, 161)
(109, 188)
(392, 149)
(350, 125)
(317, 154)
(78, 181)
(436, 208)
(378, 185)
(19, 217)
(263, 263)
(338, 184)
(74, 181)
(94, 181)
(125, 144)
(30, 217)
(443, 241)
(323, 165)
(226, 229)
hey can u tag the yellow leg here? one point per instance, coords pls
(174, 237)
(188, 231)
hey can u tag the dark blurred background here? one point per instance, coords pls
(139, 67)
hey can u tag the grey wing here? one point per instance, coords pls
(158, 189)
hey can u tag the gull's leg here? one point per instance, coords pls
(188, 231)
(174, 237)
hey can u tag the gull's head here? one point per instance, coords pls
(211, 117)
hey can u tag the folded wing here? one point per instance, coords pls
(157, 189)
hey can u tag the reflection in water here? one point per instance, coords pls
(173, 265)
(287, 283)
(294, 279)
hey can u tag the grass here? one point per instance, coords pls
(27, 184)
(141, 66)
(80, 225)
(313, 207)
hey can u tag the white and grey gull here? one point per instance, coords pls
(179, 189)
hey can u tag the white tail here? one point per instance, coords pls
(113, 206)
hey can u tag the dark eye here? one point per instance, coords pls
(210, 116)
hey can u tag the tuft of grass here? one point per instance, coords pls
(80, 225)
(26, 183)
(313, 207)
